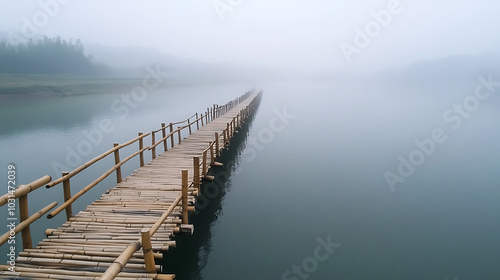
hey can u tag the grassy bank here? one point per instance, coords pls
(61, 85)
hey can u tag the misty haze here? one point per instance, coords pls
(353, 139)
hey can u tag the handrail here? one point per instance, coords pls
(25, 189)
(93, 184)
(164, 138)
(115, 268)
(21, 193)
(94, 160)
(24, 224)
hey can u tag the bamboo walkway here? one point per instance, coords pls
(110, 238)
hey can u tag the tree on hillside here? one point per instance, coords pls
(46, 56)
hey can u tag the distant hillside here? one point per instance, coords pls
(46, 56)
(453, 68)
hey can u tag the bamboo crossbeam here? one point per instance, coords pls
(94, 160)
(91, 185)
(22, 225)
(25, 189)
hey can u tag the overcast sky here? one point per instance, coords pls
(276, 33)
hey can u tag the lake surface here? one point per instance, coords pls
(304, 193)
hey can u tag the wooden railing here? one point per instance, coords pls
(21, 193)
(215, 147)
(201, 164)
(190, 124)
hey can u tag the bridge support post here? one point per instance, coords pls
(197, 122)
(196, 174)
(164, 133)
(216, 144)
(204, 163)
(117, 160)
(67, 195)
(23, 215)
(147, 251)
(141, 146)
(171, 135)
(184, 197)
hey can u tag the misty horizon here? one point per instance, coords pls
(317, 37)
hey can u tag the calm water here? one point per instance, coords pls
(303, 193)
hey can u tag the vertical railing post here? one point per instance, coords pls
(171, 135)
(117, 160)
(232, 128)
(189, 125)
(216, 144)
(23, 215)
(164, 133)
(67, 195)
(197, 122)
(153, 149)
(204, 169)
(212, 156)
(213, 112)
(228, 135)
(196, 173)
(201, 118)
(179, 133)
(206, 117)
(184, 196)
(147, 250)
(141, 146)
(225, 137)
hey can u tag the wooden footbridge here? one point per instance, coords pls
(120, 235)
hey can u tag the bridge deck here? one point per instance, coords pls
(86, 245)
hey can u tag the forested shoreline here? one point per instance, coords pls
(47, 56)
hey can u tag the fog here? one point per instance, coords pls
(306, 37)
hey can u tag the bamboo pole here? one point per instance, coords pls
(92, 161)
(216, 144)
(117, 266)
(23, 215)
(184, 196)
(141, 146)
(91, 185)
(197, 122)
(164, 134)
(204, 169)
(171, 134)
(153, 149)
(212, 156)
(76, 273)
(148, 253)
(25, 189)
(117, 160)
(23, 226)
(196, 174)
(67, 196)
(164, 216)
